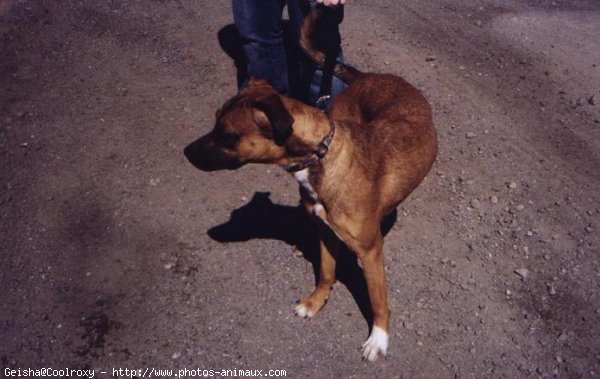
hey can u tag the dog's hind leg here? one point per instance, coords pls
(370, 253)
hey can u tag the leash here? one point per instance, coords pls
(318, 154)
(332, 18)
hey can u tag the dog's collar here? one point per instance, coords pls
(318, 154)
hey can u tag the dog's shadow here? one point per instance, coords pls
(260, 218)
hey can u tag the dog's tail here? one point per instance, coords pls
(320, 40)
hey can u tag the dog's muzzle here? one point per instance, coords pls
(207, 158)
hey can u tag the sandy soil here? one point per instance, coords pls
(117, 253)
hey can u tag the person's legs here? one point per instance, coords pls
(291, 72)
(259, 24)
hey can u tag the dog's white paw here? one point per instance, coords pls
(376, 344)
(303, 311)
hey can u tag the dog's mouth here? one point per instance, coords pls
(210, 160)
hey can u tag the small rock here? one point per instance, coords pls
(529, 233)
(429, 59)
(546, 256)
(522, 272)
(520, 207)
(552, 290)
(592, 100)
(559, 359)
(494, 199)
(508, 292)
(20, 114)
(478, 22)
(512, 185)
(176, 355)
(297, 252)
(588, 229)
(563, 336)
(470, 135)
(474, 203)
(526, 249)
(169, 265)
(24, 144)
(578, 102)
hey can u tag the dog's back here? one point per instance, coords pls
(382, 112)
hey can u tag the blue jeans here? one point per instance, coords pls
(270, 56)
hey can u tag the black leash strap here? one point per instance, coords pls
(332, 45)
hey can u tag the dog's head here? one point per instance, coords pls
(251, 127)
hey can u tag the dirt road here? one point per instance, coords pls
(116, 253)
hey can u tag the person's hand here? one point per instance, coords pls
(332, 3)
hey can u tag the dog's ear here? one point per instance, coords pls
(281, 120)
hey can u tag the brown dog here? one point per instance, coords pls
(354, 166)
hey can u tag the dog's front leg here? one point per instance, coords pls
(312, 304)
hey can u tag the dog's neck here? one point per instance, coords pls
(311, 125)
(316, 153)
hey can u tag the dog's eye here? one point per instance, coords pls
(228, 139)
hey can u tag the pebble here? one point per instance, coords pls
(154, 181)
(588, 229)
(176, 355)
(24, 144)
(512, 185)
(478, 22)
(552, 290)
(522, 272)
(494, 199)
(475, 203)
(470, 135)
(559, 359)
(508, 292)
(169, 265)
(529, 233)
(562, 337)
(592, 100)
(520, 207)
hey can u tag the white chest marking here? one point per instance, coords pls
(302, 178)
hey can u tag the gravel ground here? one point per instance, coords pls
(116, 253)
